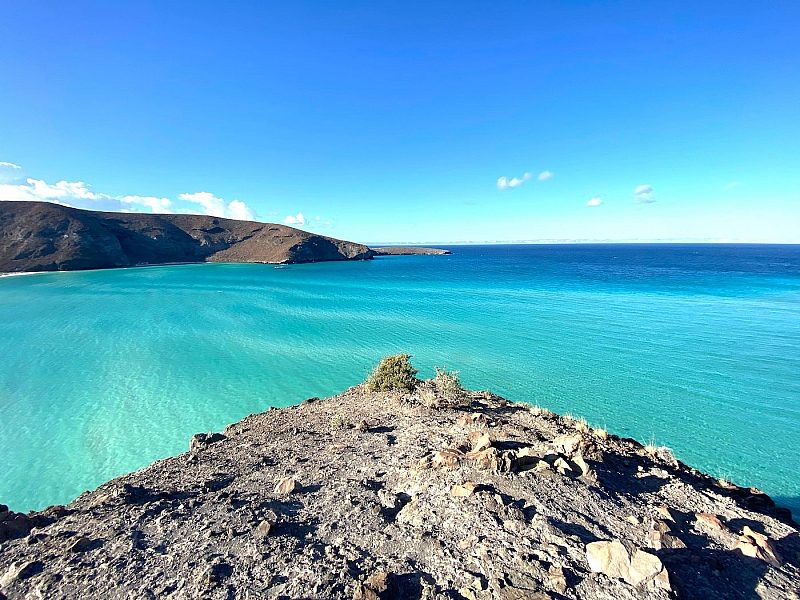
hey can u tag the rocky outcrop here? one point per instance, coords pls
(40, 236)
(408, 250)
(398, 495)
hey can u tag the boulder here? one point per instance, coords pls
(203, 440)
(757, 545)
(608, 557)
(563, 467)
(583, 469)
(263, 529)
(568, 443)
(643, 566)
(709, 522)
(446, 459)
(492, 459)
(463, 490)
(527, 457)
(83, 544)
(611, 558)
(13, 525)
(20, 571)
(372, 587)
(659, 540)
(285, 486)
(665, 513)
(556, 579)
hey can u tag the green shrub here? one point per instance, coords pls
(393, 373)
(448, 385)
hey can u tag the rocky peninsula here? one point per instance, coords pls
(409, 251)
(419, 490)
(41, 236)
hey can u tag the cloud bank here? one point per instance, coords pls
(545, 175)
(78, 194)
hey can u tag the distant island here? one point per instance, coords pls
(408, 250)
(400, 488)
(41, 236)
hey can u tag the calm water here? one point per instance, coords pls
(694, 347)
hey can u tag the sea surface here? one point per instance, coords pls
(696, 347)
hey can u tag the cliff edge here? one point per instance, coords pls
(419, 494)
(41, 236)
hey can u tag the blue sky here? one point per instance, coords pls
(395, 122)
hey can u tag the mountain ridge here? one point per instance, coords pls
(42, 236)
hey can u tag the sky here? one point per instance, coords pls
(412, 122)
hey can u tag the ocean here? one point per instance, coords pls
(695, 347)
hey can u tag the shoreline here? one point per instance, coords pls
(278, 499)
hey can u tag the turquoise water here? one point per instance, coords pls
(694, 347)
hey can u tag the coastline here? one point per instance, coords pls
(475, 495)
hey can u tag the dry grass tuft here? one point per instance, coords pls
(340, 422)
(448, 386)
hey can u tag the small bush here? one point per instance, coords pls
(340, 422)
(448, 385)
(427, 395)
(393, 373)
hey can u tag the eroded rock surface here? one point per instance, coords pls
(486, 499)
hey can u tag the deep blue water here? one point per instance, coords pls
(696, 347)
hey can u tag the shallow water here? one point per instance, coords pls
(694, 347)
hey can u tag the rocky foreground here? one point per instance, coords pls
(407, 495)
(41, 236)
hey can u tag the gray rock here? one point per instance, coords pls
(203, 440)
(382, 502)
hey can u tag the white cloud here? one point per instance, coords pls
(239, 210)
(596, 201)
(504, 183)
(8, 165)
(545, 175)
(644, 194)
(298, 219)
(156, 205)
(211, 204)
(80, 195)
(216, 207)
(36, 190)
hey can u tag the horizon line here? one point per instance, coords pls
(567, 242)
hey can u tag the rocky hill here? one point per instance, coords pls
(430, 493)
(40, 236)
